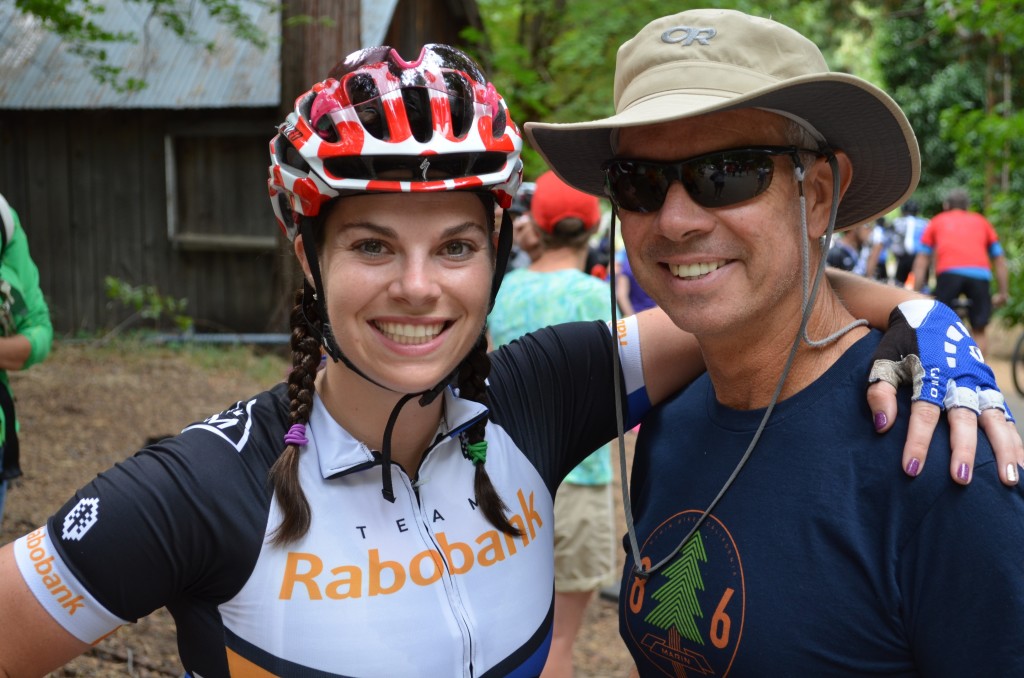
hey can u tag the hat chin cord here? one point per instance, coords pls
(807, 303)
(330, 345)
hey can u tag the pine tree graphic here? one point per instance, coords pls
(677, 598)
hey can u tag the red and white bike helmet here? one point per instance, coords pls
(379, 123)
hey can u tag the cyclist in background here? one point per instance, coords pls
(966, 251)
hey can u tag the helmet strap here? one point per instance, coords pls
(308, 232)
(501, 255)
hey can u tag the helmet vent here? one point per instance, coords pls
(499, 123)
(288, 155)
(365, 97)
(460, 102)
(417, 110)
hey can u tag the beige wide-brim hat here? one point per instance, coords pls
(707, 60)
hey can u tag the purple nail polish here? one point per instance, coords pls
(963, 472)
(880, 420)
(913, 468)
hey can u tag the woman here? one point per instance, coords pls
(263, 529)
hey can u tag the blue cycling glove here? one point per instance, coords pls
(928, 345)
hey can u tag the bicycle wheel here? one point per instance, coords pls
(1017, 365)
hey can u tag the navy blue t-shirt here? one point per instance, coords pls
(823, 559)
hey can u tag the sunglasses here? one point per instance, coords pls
(716, 179)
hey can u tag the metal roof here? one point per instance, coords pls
(38, 71)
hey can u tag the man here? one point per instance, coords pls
(962, 244)
(850, 249)
(526, 245)
(910, 227)
(769, 538)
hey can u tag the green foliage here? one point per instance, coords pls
(79, 24)
(987, 132)
(147, 303)
(1013, 312)
(554, 60)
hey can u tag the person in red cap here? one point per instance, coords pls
(554, 289)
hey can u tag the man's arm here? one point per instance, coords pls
(622, 294)
(922, 262)
(14, 352)
(1002, 279)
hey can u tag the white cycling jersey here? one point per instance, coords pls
(424, 586)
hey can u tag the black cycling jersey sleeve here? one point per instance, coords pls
(552, 390)
(194, 508)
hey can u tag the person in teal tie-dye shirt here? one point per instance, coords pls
(555, 289)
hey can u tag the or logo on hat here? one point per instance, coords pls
(689, 34)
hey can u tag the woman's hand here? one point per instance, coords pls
(928, 347)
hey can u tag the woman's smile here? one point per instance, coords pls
(409, 333)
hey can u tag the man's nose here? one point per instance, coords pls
(680, 216)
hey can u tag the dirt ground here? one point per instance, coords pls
(87, 407)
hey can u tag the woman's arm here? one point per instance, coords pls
(671, 357)
(868, 299)
(31, 643)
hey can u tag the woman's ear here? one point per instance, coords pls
(818, 186)
(300, 253)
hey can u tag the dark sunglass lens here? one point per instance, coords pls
(728, 178)
(637, 186)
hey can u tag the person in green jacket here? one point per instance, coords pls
(25, 332)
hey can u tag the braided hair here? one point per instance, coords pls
(472, 386)
(284, 475)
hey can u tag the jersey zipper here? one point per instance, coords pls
(452, 590)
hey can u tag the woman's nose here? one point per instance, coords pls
(417, 283)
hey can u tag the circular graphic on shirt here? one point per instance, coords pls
(687, 618)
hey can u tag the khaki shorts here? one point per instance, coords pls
(585, 540)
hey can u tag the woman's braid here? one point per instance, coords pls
(472, 385)
(284, 474)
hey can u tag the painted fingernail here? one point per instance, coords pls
(880, 420)
(1011, 473)
(963, 472)
(913, 468)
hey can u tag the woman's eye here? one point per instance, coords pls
(458, 249)
(371, 247)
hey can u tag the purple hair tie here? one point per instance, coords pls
(296, 435)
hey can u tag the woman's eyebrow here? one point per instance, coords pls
(389, 232)
(462, 228)
(383, 231)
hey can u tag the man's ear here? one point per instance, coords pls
(818, 188)
(300, 253)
